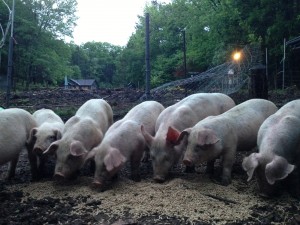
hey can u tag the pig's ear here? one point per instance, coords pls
(207, 137)
(147, 136)
(32, 137)
(52, 148)
(172, 136)
(183, 134)
(278, 169)
(77, 149)
(57, 134)
(114, 159)
(249, 164)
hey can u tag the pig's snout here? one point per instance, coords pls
(58, 176)
(188, 162)
(97, 184)
(264, 195)
(38, 150)
(159, 179)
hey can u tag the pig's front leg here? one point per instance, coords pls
(33, 160)
(228, 160)
(210, 168)
(135, 162)
(294, 183)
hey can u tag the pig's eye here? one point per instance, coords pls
(205, 147)
(52, 138)
(197, 148)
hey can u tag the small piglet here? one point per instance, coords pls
(279, 150)
(15, 128)
(164, 150)
(124, 142)
(49, 129)
(82, 132)
(224, 134)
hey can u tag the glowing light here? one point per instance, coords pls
(237, 56)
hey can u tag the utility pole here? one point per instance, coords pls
(283, 64)
(147, 57)
(184, 59)
(10, 56)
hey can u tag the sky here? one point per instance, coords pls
(111, 21)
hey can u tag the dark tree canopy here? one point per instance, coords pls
(213, 29)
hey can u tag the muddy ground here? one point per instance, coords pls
(185, 198)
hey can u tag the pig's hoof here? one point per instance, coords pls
(225, 181)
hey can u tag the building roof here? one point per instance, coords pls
(84, 82)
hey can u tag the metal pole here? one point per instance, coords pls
(283, 64)
(10, 56)
(267, 63)
(147, 57)
(184, 58)
(184, 53)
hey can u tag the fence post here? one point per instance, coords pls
(258, 82)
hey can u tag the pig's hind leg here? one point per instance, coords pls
(12, 168)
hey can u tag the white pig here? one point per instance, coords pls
(82, 132)
(49, 128)
(164, 150)
(15, 128)
(124, 142)
(279, 149)
(224, 134)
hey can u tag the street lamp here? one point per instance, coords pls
(236, 56)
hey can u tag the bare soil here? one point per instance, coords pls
(185, 198)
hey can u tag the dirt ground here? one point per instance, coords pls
(185, 198)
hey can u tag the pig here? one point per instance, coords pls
(164, 150)
(15, 126)
(81, 133)
(223, 135)
(49, 128)
(124, 142)
(278, 142)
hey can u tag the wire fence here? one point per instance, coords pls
(226, 78)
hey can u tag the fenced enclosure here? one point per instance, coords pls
(226, 78)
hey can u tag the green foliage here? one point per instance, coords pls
(213, 29)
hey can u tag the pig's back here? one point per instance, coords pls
(190, 110)
(247, 118)
(146, 114)
(46, 115)
(99, 111)
(281, 130)
(17, 124)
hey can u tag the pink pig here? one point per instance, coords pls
(124, 142)
(81, 133)
(279, 151)
(15, 128)
(49, 128)
(164, 150)
(224, 134)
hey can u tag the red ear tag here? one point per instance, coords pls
(172, 135)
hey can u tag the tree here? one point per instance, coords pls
(39, 55)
